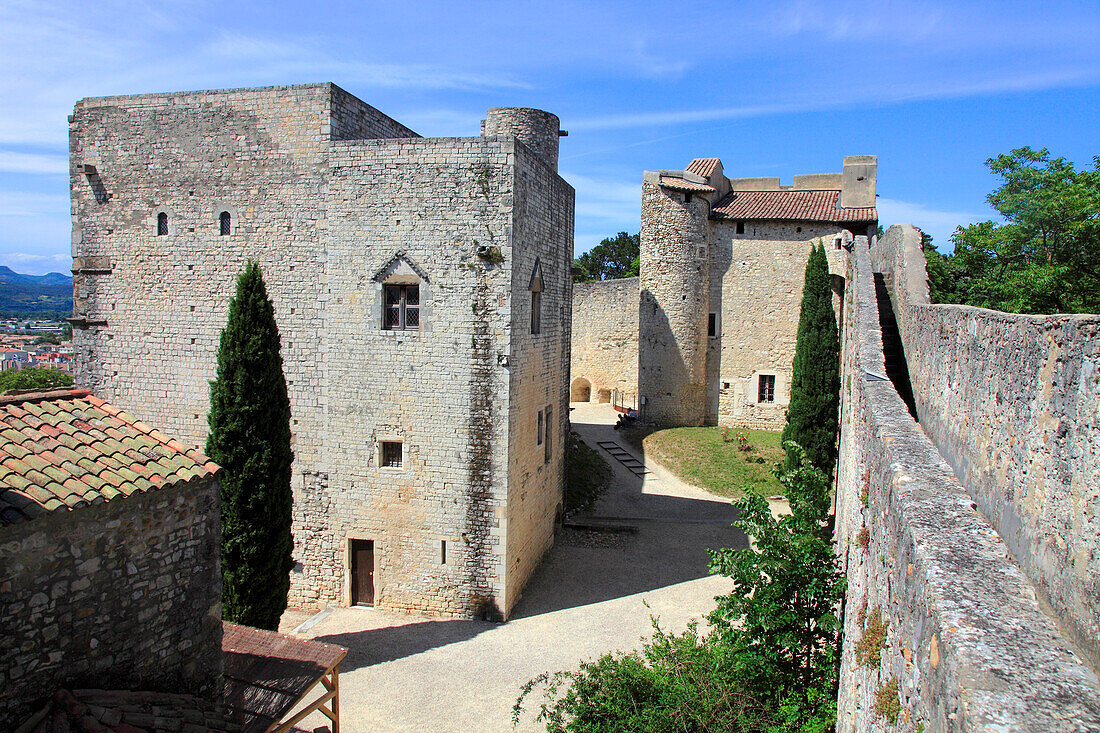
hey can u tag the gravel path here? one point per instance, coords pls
(594, 592)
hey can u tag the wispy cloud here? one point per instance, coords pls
(34, 163)
(939, 223)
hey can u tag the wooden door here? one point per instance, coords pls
(362, 572)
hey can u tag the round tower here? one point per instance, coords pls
(674, 303)
(536, 129)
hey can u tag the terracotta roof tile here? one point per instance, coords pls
(704, 167)
(790, 205)
(67, 448)
(682, 184)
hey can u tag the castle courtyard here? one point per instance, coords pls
(594, 592)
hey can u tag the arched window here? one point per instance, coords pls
(225, 224)
(162, 224)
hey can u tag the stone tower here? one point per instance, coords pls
(674, 302)
(536, 129)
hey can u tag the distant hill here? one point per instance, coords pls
(35, 296)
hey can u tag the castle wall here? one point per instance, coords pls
(966, 639)
(605, 337)
(326, 193)
(539, 363)
(1013, 403)
(673, 306)
(757, 277)
(129, 589)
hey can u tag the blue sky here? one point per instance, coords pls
(772, 88)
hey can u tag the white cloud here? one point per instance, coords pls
(34, 163)
(937, 222)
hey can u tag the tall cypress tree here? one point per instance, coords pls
(250, 438)
(815, 382)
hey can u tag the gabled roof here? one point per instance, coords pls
(64, 449)
(790, 205)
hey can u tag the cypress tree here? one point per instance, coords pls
(250, 438)
(815, 381)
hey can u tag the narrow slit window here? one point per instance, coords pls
(536, 312)
(712, 325)
(547, 450)
(766, 389)
(225, 224)
(443, 552)
(162, 224)
(391, 454)
(538, 440)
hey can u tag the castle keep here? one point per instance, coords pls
(422, 291)
(716, 307)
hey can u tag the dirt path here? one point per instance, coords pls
(595, 592)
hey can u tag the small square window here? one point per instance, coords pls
(391, 454)
(740, 227)
(766, 388)
(401, 307)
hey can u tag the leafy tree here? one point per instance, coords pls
(812, 419)
(1046, 257)
(614, 257)
(941, 280)
(768, 663)
(250, 438)
(780, 620)
(34, 378)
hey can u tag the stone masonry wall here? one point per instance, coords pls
(125, 593)
(1013, 403)
(605, 337)
(757, 277)
(966, 640)
(539, 367)
(330, 217)
(672, 316)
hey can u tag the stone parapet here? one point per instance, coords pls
(1013, 403)
(966, 645)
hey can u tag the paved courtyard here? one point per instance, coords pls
(595, 592)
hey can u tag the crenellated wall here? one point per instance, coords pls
(1013, 404)
(965, 639)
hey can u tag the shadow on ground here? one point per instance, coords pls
(374, 646)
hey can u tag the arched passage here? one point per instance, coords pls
(580, 390)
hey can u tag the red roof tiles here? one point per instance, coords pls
(682, 184)
(793, 205)
(67, 448)
(704, 167)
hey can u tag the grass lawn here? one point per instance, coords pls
(713, 459)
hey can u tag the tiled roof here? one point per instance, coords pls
(123, 711)
(792, 205)
(66, 448)
(266, 673)
(704, 166)
(681, 184)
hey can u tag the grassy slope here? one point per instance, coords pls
(702, 457)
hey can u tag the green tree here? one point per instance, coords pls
(780, 621)
(941, 278)
(250, 438)
(34, 378)
(812, 419)
(614, 257)
(1045, 258)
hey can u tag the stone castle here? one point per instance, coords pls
(422, 289)
(423, 292)
(706, 335)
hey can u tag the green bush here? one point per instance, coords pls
(34, 378)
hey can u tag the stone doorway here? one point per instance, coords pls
(362, 572)
(580, 390)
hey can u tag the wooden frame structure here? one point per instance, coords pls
(267, 675)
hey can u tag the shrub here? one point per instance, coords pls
(870, 645)
(887, 704)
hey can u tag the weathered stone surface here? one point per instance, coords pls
(604, 356)
(967, 639)
(138, 598)
(1013, 404)
(334, 199)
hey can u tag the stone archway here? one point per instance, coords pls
(580, 390)
(604, 396)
